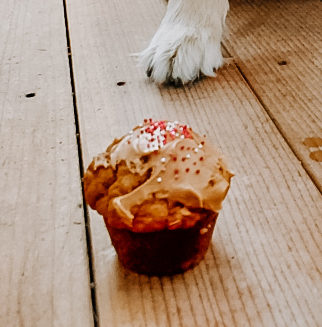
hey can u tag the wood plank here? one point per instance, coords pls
(264, 267)
(44, 263)
(277, 45)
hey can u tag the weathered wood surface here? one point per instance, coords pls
(44, 279)
(277, 45)
(264, 267)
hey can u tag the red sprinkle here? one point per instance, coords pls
(202, 142)
(197, 171)
(182, 148)
(183, 159)
(194, 163)
(174, 158)
(201, 158)
(176, 171)
(187, 170)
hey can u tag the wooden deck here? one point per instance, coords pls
(60, 104)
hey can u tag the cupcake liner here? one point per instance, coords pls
(163, 252)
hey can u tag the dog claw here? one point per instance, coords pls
(177, 81)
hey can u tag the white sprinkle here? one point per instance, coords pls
(177, 134)
(196, 150)
(131, 132)
(163, 160)
(203, 231)
(159, 179)
(200, 146)
(188, 156)
(182, 136)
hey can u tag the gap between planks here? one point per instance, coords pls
(81, 171)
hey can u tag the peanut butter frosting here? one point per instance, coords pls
(181, 166)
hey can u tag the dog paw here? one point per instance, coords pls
(181, 55)
(184, 49)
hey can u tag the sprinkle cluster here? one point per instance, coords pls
(159, 133)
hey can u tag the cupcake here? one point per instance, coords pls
(159, 188)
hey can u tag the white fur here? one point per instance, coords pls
(187, 42)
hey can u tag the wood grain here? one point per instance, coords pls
(264, 267)
(44, 264)
(277, 45)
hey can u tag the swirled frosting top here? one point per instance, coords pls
(184, 167)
